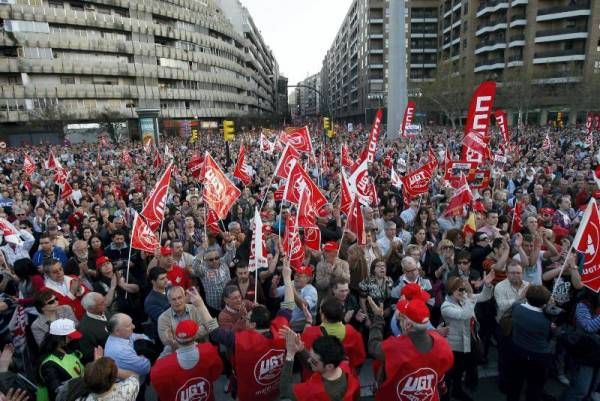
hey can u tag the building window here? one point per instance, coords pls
(67, 80)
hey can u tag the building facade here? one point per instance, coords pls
(309, 100)
(78, 60)
(542, 53)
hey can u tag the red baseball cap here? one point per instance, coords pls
(415, 310)
(414, 291)
(102, 260)
(186, 330)
(547, 211)
(324, 213)
(306, 270)
(330, 246)
(166, 251)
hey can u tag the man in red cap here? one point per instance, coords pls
(189, 373)
(330, 268)
(177, 275)
(415, 363)
(305, 295)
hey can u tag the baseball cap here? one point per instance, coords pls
(330, 246)
(166, 251)
(102, 260)
(415, 310)
(64, 327)
(414, 291)
(186, 330)
(306, 270)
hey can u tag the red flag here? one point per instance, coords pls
(373, 197)
(432, 159)
(597, 121)
(126, 157)
(478, 119)
(286, 161)
(219, 192)
(346, 160)
(462, 197)
(374, 136)
(196, 165)
(547, 145)
(587, 243)
(396, 179)
(299, 138)
(28, 165)
(265, 145)
(67, 191)
(360, 182)
(409, 114)
(475, 147)
(502, 123)
(345, 194)
(589, 122)
(517, 222)
(292, 246)
(52, 162)
(154, 208)
(278, 194)
(356, 223)
(596, 174)
(241, 169)
(60, 176)
(212, 221)
(482, 179)
(142, 237)
(299, 180)
(157, 159)
(312, 238)
(417, 182)
(307, 215)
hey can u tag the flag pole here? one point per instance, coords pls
(562, 269)
(266, 189)
(128, 259)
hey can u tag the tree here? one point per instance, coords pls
(517, 92)
(53, 117)
(112, 121)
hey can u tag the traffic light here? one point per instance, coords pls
(326, 123)
(228, 130)
(194, 137)
(330, 133)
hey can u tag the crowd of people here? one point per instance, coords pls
(423, 304)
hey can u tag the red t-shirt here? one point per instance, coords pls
(179, 276)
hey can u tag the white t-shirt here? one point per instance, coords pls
(532, 274)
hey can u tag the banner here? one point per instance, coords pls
(462, 197)
(360, 184)
(154, 207)
(478, 118)
(241, 169)
(502, 123)
(142, 237)
(299, 138)
(454, 169)
(287, 160)
(345, 194)
(482, 179)
(196, 165)
(312, 238)
(219, 192)
(356, 223)
(28, 165)
(265, 145)
(299, 180)
(374, 136)
(587, 243)
(258, 259)
(417, 182)
(409, 114)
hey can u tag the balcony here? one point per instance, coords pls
(375, 20)
(515, 61)
(515, 3)
(554, 35)
(488, 65)
(518, 20)
(491, 26)
(516, 41)
(490, 45)
(559, 56)
(423, 33)
(491, 6)
(420, 49)
(580, 9)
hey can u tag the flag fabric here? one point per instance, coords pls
(278, 194)
(502, 123)
(462, 197)
(287, 160)
(7, 228)
(266, 145)
(432, 159)
(154, 207)
(312, 238)
(307, 215)
(417, 182)
(470, 226)
(258, 258)
(66, 192)
(409, 114)
(345, 194)
(396, 179)
(346, 160)
(60, 176)
(478, 118)
(597, 121)
(482, 179)
(596, 174)
(142, 237)
(28, 165)
(547, 145)
(219, 192)
(589, 122)
(196, 166)
(374, 136)
(292, 246)
(517, 220)
(356, 223)
(373, 197)
(475, 147)
(212, 221)
(589, 139)
(147, 144)
(587, 243)
(126, 157)
(359, 182)
(241, 169)
(299, 180)
(52, 163)
(168, 154)
(157, 159)
(299, 138)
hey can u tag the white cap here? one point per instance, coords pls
(13, 239)
(64, 327)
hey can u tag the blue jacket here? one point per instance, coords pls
(57, 253)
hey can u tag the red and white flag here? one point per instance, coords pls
(346, 160)
(345, 194)
(126, 157)
(462, 197)
(432, 159)
(292, 245)
(373, 197)
(154, 208)
(60, 176)
(278, 194)
(299, 138)
(478, 118)
(356, 223)
(219, 192)
(360, 183)
(258, 258)
(168, 154)
(212, 221)
(374, 136)
(287, 160)
(299, 180)
(396, 179)
(196, 166)
(7, 228)
(417, 182)
(266, 145)
(502, 123)
(66, 192)
(157, 159)
(547, 145)
(517, 219)
(587, 243)
(476, 148)
(312, 238)
(409, 114)
(597, 121)
(52, 163)
(241, 171)
(142, 237)
(589, 122)
(307, 214)
(28, 165)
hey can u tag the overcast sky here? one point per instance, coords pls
(298, 31)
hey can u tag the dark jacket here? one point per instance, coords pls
(94, 333)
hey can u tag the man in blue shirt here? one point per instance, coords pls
(119, 345)
(47, 252)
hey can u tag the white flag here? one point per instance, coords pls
(257, 257)
(396, 179)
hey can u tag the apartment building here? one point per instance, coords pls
(543, 53)
(75, 60)
(308, 97)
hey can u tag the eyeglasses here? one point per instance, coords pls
(463, 262)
